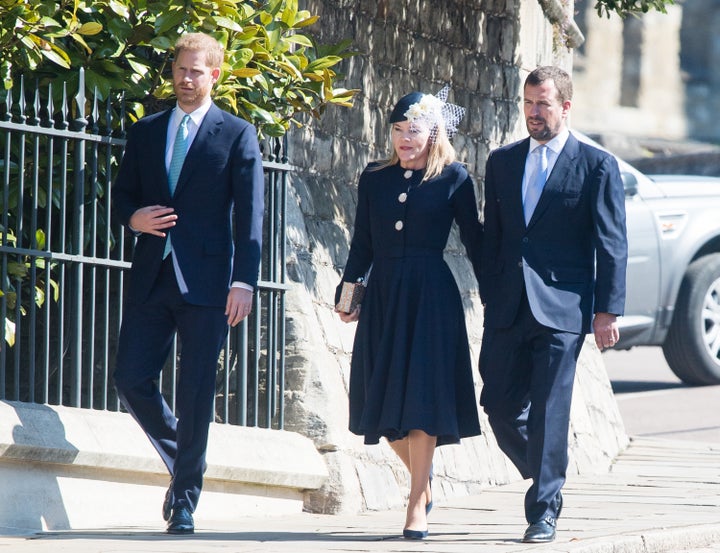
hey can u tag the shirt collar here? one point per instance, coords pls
(555, 145)
(197, 116)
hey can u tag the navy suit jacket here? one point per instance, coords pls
(572, 255)
(221, 185)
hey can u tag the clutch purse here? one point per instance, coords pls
(351, 296)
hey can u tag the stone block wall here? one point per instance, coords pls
(483, 49)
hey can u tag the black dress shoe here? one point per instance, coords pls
(167, 503)
(558, 504)
(181, 521)
(542, 531)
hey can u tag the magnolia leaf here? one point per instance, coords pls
(169, 20)
(322, 63)
(39, 296)
(80, 40)
(137, 66)
(289, 13)
(265, 18)
(299, 39)
(341, 102)
(16, 269)
(161, 43)
(9, 332)
(56, 289)
(89, 29)
(227, 23)
(244, 55)
(49, 23)
(306, 22)
(245, 72)
(120, 9)
(290, 69)
(40, 239)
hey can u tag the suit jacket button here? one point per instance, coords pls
(519, 263)
(526, 240)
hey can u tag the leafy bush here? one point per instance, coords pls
(272, 72)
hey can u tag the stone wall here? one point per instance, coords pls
(483, 49)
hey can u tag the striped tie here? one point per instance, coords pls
(176, 163)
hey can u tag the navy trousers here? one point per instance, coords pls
(528, 372)
(144, 344)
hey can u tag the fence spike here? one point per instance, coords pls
(22, 117)
(35, 119)
(49, 122)
(95, 112)
(80, 121)
(63, 123)
(108, 116)
(7, 116)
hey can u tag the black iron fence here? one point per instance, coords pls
(63, 262)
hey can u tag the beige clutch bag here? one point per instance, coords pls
(351, 296)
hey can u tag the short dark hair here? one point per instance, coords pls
(560, 77)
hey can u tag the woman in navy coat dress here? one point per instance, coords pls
(411, 376)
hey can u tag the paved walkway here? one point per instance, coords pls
(660, 496)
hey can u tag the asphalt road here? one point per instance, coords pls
(653, 402)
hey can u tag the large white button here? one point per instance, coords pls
(398, 225)
(402, 198)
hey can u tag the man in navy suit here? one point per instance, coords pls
(553, 269)
(188, 177)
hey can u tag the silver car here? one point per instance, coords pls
(673, 278)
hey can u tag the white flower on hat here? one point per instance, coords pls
(428, 110)
(434, 109)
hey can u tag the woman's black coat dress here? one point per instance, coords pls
(411, 360)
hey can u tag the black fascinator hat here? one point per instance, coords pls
(404, 103)
(432, 110)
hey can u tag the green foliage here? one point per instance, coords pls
(630, 7)
(272, 72)
(19, 271)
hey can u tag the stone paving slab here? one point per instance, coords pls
(660, 496)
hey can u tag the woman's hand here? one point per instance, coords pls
(349, 317)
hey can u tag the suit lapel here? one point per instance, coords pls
(157, 146)
(515, 171)
(556, 179)
(196, 154)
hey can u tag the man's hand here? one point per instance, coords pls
(153, 219)
(239, 305)
(606, 330)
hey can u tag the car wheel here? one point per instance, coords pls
(692, 346)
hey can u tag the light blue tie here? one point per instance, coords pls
(176, 162)
(535, 187)
(178, 154)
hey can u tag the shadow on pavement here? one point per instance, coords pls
(631, 386)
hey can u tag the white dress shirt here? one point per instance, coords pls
(554, 147)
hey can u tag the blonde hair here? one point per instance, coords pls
(440, 154)
(200, 42)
